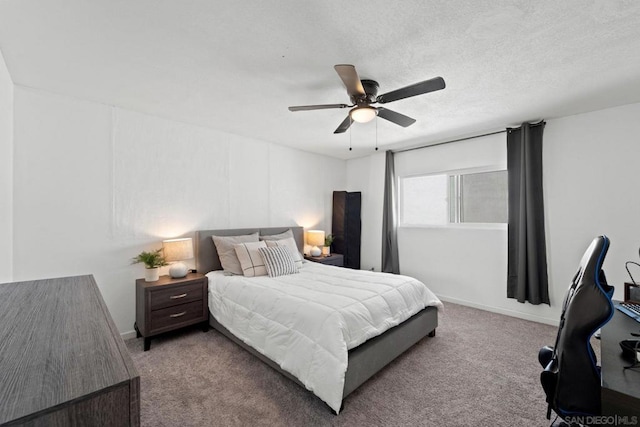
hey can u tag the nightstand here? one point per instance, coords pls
(333, 259)
(169, 304)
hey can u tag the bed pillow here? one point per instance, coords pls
(278, 261)
(288, 243)
(280, 236)
(227, 253)
(250, 259)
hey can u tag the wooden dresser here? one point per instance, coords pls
(62, 360)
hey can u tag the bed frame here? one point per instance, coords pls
(365, 360)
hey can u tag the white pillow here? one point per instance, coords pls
(293, 248)
(227, 253)
(278, 261)
(250, 259)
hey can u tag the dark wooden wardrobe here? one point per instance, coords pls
(346, 226)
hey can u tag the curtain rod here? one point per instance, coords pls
(448, 142)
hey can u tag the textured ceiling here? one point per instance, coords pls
(237, 66)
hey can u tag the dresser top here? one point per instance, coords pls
(57, 343)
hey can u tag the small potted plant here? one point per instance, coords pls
(326, 249)
(152, 261)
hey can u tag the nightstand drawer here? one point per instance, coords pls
(173, 316)
(175, 295)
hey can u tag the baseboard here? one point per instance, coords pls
(506, 312)
(128, 335)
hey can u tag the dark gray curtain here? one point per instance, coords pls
(390, 262)
(527, 264)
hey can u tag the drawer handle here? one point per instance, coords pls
(178, 314)
(177, 296)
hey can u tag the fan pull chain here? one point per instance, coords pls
(376, 134)
(350, 138)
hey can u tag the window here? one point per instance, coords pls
(454, 198)
(425, 200)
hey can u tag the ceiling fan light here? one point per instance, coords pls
(363, 114)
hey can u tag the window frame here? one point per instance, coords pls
(457, 193)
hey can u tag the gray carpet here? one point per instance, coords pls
(480, 370)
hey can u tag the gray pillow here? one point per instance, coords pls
(227, 253)
(280, 236)
(297, 256)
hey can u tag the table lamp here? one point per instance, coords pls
(175, 251)
(315, 238)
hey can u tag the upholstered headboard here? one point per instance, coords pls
(207, 256)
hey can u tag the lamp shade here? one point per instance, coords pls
(363, 114)
(315, 237)
(178, 249)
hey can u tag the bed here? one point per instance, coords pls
(362, 361)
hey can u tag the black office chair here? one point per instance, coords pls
(571, 376)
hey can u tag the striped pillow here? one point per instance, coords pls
(278, 261)
(289, 243)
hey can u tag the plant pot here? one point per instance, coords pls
(152, 274)
(326, 250)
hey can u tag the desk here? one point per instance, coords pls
(620, 387)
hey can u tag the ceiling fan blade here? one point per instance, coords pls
(350, 79)
(344, 125)
(397, 118)
(431, 85)
(317, 107)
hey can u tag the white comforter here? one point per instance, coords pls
(306, 322)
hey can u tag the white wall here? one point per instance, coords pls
(591, 188)
(94, 185)
(6, 173)
(591, 164)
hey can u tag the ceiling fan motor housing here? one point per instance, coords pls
(371, 91)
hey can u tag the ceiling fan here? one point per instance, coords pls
(363, 93)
